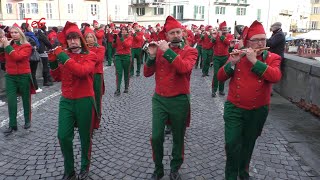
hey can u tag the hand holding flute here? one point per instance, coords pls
(244, 50)
(250, 53)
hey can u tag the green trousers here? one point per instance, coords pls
(199, 48)
(71, 112)
(135, 53)
(207, 58)
(97, 87)
(18, 85)
(110, 52)
(175, 109)
(218, 62)
(122, 64)
(242, 128)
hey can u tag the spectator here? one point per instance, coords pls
(277, 40)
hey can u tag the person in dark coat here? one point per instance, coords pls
(277, 41)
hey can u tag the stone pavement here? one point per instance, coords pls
(121, 148)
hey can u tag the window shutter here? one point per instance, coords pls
(238, 11)
(195, 12)
(175, 12)
(244, 11)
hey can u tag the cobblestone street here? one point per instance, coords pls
(121, 147)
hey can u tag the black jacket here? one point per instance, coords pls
(44, 42)
(277, 42)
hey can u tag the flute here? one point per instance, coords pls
(255, 50)
(52, 50)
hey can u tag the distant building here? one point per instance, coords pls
(315, 15)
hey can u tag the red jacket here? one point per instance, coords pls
(137, 41)
(207, 42)
(100, 35)
(123, 45)
(110, 35)
(76, 75)
(190, 38)
(173, 78)
(147, 36)
(17, 58)
(250, 85)
(197, 39)
(221, 45)
(100, 52)
(52, 36)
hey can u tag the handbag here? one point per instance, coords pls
(35, 56)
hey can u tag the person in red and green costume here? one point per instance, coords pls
(172, 62)
(98, 82)
(110, 37)
(18, 76)
(252, 74)
(99, 33)
(221, 52)
(75, 69)
(207, 49)
(122, 43)
(137, 43)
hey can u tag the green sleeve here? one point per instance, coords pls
(259, 68)
(63, 57)
(222, 38)
(227, 68)
(53, 65)
(8, 49)
(170, 55)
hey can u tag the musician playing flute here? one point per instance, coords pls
(75, 69)
(251, 74)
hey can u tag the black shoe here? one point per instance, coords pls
(117, 93)
(207, 74)
(72, 176)
(10, 130)
(27, 125)
(137, 74)
(48, 84)
(125, 91)
(203, 75)
(245, 178)
(213, 94)
(167, 130)
(175, 176)
(221, 93)
(156, 177)
(83, 175)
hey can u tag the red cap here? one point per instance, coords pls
(171, 23)
(87, 30)
(95, 22)
(135, 24)
(201, 26)
(207, 28)
(16, 25)
(158, 25)
(122, 25)
(68, 28)
(111, 24)
(255, 28)
(222, 25)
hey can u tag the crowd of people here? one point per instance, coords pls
(75, 57)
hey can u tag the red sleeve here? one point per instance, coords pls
(99, 34)
(127, 42)
(273, 72)
(148, 71)
(186, 64)
(83, 69)
(56, 73)
(100, 53)
(24, 52)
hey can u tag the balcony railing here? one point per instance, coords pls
(145, 2)
(129, 18)
(286, 13)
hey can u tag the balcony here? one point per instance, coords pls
(123, 19)
(286, 13)
(242, 3)
(151, 3)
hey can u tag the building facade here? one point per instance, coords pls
(315, 15)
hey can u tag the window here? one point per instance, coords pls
(220, 10)
(178, 12)
(70, 8)
(34, 8)
(49, 10)
(259, 14)
(94, 9)
(241, 11)
(140, 11)
(316, 1)
(198, 12)
(27, 8)
(314, 24)
(158, 11)
(315, 10)
(9, 8)
(21, 11)
(129, 10)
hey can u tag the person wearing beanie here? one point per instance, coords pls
(277, 41)
(136, 48)
(171, 61)
(98, 82)
(99, 32)
(18, 79)
(207, 49)
(110, 38)
(122, 43)
(221, 51)
(252, 73)
(75, 69)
